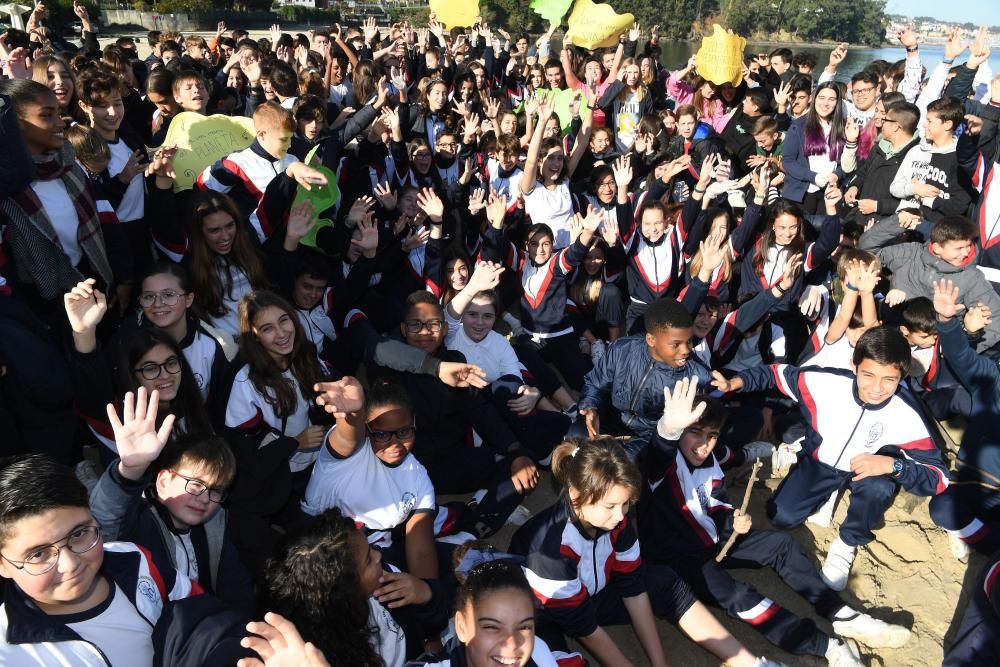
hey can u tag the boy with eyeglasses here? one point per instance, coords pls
(168, 497)
(73, 599)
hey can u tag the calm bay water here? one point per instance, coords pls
(675, 54)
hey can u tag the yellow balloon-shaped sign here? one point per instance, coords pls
(720, 58)
(594, 26)
(201, 140)
(455, 13)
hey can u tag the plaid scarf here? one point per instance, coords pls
(37, 253)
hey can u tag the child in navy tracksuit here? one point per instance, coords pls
(970, 508)
(863, 432)
(684, 516)
(544, 276)
(583, 563)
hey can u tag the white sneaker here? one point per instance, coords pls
(837, 567)
(871, 631)
(786, 455)
(959, 549)
(764, 662)
(824, 515)
(843, 653)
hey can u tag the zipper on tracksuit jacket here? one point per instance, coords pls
(851, 436)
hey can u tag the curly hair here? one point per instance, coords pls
(313, 581)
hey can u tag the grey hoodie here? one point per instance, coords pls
(914, 269)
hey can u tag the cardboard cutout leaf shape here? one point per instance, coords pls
(720, 58)
(322, 197)
(201, 140)
(562, 101)
(551, 10)
(594, 26)
(455, 13)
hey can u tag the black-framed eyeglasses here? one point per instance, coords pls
(862, 91)
(890, 120)
(400, 434)
(606, 184)
(42, 559)
(151, 371)
(416, 326)
(196, 487)
(167, 297)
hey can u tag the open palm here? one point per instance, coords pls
(136, 436)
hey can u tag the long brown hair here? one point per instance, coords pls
(205, 264)
(594, 467)
(265, 373)
(586, 288)
(798, 244)
(726, 272)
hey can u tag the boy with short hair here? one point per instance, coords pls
(951, 253)
(863, 431)
(929, 177)
(168, 497)
(246, 175)
(73, 599)
(191, 92)
(769, 142)
(684, 516)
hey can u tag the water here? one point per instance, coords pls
(676, 54)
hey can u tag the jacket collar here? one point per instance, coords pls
(27, 624)
(259, 151)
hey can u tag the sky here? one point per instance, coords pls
(976, 11)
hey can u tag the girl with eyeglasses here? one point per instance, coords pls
(166, 301)
(150, 359)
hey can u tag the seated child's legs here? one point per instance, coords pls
(564, 353)
(635, 320)
(468, 471)
(669, 595)
(978, 638)
(970, 511)
(713, 585)
(780, 551)
(869, 499)
(610, 308)
(529, 354)
(807, 486)
(539, 430)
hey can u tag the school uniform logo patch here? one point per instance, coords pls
(409, 502)
(147, 588)
(874, 433)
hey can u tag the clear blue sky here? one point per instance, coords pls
(976, 11)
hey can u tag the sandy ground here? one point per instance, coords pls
(907, 576)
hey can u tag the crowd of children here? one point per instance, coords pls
(217, 409)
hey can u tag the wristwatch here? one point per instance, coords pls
(897, 468)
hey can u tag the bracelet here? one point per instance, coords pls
(781, 290)
(851, 144)
(701, 192)
(947, 61)
(851, 287)
(913, 49)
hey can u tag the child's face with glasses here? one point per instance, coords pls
(424, 327)
(163, 301)
(159, 369)
(71, 585)
(391, 432)
(191, 494)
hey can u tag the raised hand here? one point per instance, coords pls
(301, 219)
(368, 243)
(946, 295)
(593, 220)
(385, 196)
(635, 32)
(370, 29)
(837, 56)
(868, 277)
(793, 265)
(781, 95)
(477, 201)
(279, 644)
(622, 170)
(486, 276)
(305, 175)
(358, 209)
(977, 318)
(907, 37)
(162, 164)
(275, 34)
(431, 204)
(852, 129)
(954, 47)
(496, 210)
(713, 253)
(895, 297)
(416, 238)
(85, 306)
(340, 398)
(980, 50)
(679, 410)
(138, 440)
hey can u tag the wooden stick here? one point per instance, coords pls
(743, 510)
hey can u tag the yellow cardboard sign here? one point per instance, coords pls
(720, 58)
(594, 26)
(201, 140)
(455, 13)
